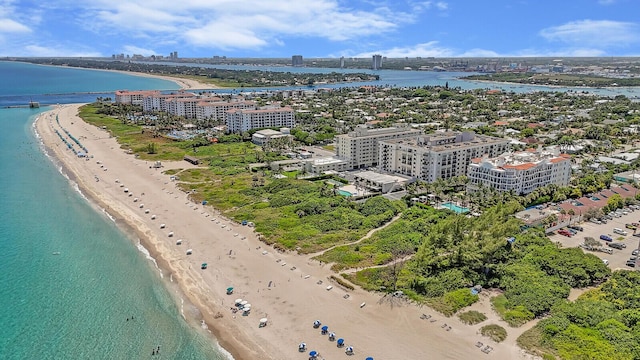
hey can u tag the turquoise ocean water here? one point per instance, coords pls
(73, 305)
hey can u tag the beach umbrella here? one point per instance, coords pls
(340, 342)
(313, 353)
(325, 328)
(238, 301)
(369, 358)
(263, 320)
(203, 266)
(229, 290)
(244, 302)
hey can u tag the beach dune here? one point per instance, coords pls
(291, 291)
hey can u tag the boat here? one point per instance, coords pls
(56, 253)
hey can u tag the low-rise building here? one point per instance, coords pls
(437, 156)
(262, 137)
(325, 164)
(383, 183)
(520, 172)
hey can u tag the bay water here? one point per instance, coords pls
(72, 284)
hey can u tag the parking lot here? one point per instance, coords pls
(618, 259)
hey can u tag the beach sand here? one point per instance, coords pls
(185, 84)
(283, 287)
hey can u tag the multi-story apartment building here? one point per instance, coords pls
(185, 107)
(241, 120)
(208, 109)
(133, 97)
(360, 146)
(437, 156)
(520, 172)
(158, 102)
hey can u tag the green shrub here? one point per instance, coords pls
(472, 317)
(495, 332)
(515, 316)
(451, 302)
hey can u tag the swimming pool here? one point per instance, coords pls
(453, 207)
(344, 193)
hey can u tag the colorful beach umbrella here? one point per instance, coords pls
(313, 353)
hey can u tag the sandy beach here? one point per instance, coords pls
(185, 84)
(290, 290)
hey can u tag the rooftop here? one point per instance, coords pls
(448, 140)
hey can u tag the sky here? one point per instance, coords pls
(320, 28)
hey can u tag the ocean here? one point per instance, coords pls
(73, 285)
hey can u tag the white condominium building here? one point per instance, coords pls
(437, 156)
(186, 107)
(133, 97)
(216, 109)
(360, 146)
(241, 120)
(522, 172)
(158, 102)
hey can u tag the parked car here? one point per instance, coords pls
(630, 226)
(565, 232)
(606, 238)
(631, 263)
(620, 232)
(576, 227)
(635, 252)
(618, 246)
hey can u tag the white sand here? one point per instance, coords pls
(381, 329)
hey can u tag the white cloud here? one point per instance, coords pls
(441, 5)
(247, 24)
(428, 49)
(11, 26)
(420, 6)
(132, 49)
(44, 51)
(433, 49)
(594, 33)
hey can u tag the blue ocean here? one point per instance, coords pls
(72, 284)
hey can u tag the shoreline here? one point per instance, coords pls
(137, 236)
(290, 296)
(574, 88)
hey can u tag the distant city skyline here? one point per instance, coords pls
(321, 28)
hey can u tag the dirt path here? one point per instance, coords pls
(368, 235)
